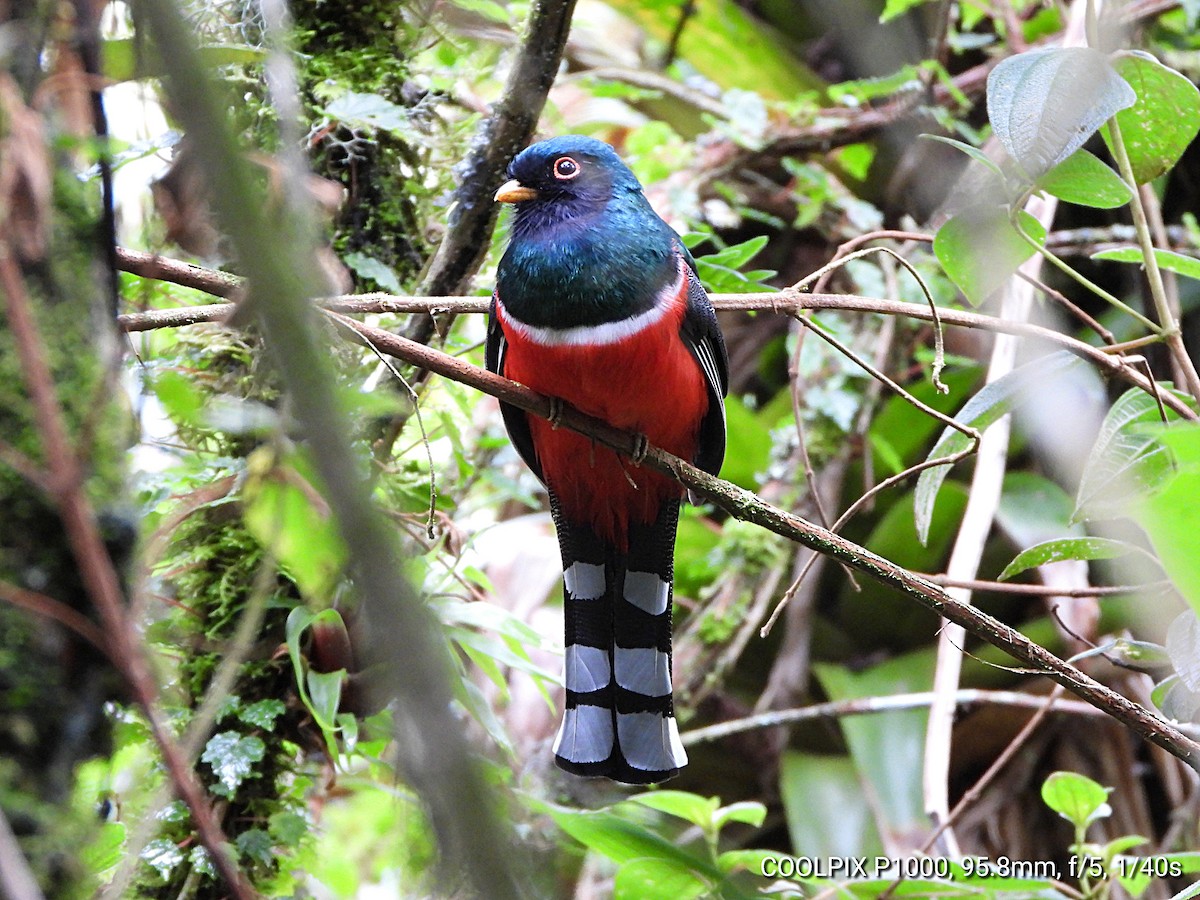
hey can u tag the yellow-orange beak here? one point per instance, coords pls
(515, 192)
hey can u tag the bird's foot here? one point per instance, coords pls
(641, 446)
(556, 412)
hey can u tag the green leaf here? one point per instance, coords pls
(974, 152)
(180, 397)
(365, 266)
(1183, 647)
(1083, 548)
(681, 804)
(325, 695)
(980, 250)
(232, 757)
(894, 8)
(1076, 798)
(993, 401)
(256, 845)
(106, 850)
(286, 513)
(888, 747)
(1044, 104)
(621, 840)
(263, 713)
(748, 812)
(827, 813)
(1083, 179)
(163, 856)
(1126, 462)
(1163, 121)
(123, 60)
(1188, 266)
(368, 111)
(737, 255)
(750, 860)
(657, 879)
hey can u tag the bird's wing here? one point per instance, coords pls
(703, 338)
(515, 420)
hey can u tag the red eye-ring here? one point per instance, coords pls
(566, 168)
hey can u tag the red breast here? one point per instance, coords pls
(646, 382)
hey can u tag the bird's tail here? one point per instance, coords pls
(619, 720)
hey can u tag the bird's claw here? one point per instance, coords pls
(556, 413)
(641, 446)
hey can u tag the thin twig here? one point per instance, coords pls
(786, 301)
(861, 706)
(57, 611)
(1041, 590)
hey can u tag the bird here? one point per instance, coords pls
(598, 305)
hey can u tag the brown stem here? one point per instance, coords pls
(96, 570)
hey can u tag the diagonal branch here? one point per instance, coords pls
(744, 505)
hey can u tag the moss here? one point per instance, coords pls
(363, 47)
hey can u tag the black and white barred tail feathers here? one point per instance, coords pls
(619, 720)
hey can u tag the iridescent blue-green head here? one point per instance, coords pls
(585, 246)
(566, 180)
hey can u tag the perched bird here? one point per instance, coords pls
(597, 304)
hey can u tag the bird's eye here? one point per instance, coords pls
(565, 168)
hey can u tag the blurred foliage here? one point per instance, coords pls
(745, 122)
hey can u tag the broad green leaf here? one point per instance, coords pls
(232, 757)
(1183, 646)
(1076, 798)
(1034, 509)
(827, 813)
(725, 44)
(681, 804)
(256, 845)
(895, 8)
(1044, 104)
(748, 812)
(1171, 516)
(658, 879)
(750, 860)
(106, 850)
(325, 695)
(368, 111)
(286, 513)
(621, 840)
(180, 397)
(1188, 266)
(1083, 548)
(748, 451)
(1083, 179)
(887, 748)
(1126, 461)
(123, 60)
(993, 401)
(366, 266)
(1158, 127)
(980, 250)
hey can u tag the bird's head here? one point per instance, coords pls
(565, 178)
